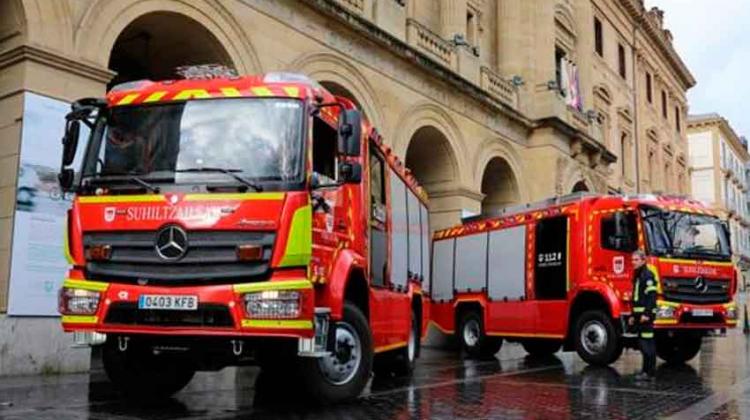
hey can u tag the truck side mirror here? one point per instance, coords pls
(70, 141)
(66, 178)
(350, 133)
(350, 172)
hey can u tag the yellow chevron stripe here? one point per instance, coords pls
(156, 96)
(301, 324)
(128, 99)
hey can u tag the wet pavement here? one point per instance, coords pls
(715, 385)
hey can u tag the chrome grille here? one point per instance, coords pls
(210, 258)
(684, 290)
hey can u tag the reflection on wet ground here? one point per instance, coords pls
(715, 385)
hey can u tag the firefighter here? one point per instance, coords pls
(644, 308)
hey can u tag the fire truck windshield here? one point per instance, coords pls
(686, 235)
(244, 141)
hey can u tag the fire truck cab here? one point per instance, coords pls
(558, 274)
(222, 220)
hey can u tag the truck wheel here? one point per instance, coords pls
(138, 373)
(679, 348)
(473, 339)
(400, 362)
(596, 338)
(541, 347)
(343, 374)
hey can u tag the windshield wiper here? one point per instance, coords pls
(230, 172)
(144, 184)
(127, 177)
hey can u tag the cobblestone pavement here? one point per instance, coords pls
(715, 385)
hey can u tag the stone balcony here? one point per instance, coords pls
(431, 43)
(499, 87)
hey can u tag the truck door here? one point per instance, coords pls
(379, 241)
(613, 246)
(551, 274)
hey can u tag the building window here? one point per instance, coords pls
(559, 56)
(621, 59)
(664, 104)
(471, 28)
(677, 119)
(598, 37)
(649, 90)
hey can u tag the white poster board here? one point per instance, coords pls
(38, 265)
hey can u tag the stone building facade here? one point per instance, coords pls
(718, 162)
(469, 92)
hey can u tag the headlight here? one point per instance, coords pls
(665, 312)
(78, 301)
(273, 304)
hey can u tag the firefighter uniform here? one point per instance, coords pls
(644, 303)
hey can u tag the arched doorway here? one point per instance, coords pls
(580, 186)
(499, 186)
(431, 159)
(153, 45)
(337, 89)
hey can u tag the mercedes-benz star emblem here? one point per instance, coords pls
(700, 284)
(171, 243)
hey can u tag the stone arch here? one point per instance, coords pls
(431, 158)
(153, 45)
(505, 158)
(46, 23)
(499, 185)
(575, 180)
(430, 114)
(564, 17)
(335, 72)
(103, 23)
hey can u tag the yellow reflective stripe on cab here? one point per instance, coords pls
(192, 94)
(80, 319)
(146, 198)
(261, 91)
(66, 242)
(230, 92)
(272, 285)
(155, 96)
(96, 286)
(128, 99)
(297, 324)
(291, 91)
(299, 241)
(236, 196)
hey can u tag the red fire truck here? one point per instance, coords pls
(222, 220)
(558, 274)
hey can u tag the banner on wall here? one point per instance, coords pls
(38, 264)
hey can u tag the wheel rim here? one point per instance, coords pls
(594, 337)
(340, 366)
(412, 343)
(471, 332)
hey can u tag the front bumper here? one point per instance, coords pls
(673, 315)
(226, 298)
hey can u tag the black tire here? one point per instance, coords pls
(596, 338)
(541, 347)
(138, 373)
(679, 348)
(400, 362)
(317, 374)
(474, 341)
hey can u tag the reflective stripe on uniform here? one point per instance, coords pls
(647, 335)
(652, 289)
(638, 309)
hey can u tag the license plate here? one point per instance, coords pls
(168, 302)
(702, 312)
